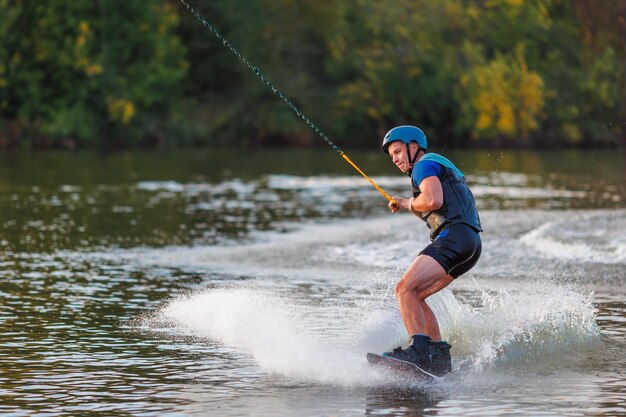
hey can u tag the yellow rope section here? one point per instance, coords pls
(380, 190)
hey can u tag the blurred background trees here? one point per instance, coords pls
(486, 72)
(81, 73)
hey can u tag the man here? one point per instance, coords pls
(443, 200)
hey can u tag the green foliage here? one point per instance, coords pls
(489, 71)
(501, 97)
(83, 70)
(397, 67)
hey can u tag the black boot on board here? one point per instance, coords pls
(441, 361)
(418, 352)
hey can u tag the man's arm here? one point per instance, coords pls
(430, 198)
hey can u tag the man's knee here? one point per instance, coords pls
(406, 287)
(400, 289)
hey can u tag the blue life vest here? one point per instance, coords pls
(458, 201)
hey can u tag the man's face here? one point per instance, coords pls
(398, 153)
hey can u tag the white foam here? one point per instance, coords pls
(160, 186)
(591, 238)
(325, 182)
(502, 184)
(519, 179)
(273, 333)
(238, 186)
(535, 323)
(509, 185)
(303, 248)
(523, 192)
(379, 252)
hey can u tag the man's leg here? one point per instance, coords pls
(423, 278)
(431, 324)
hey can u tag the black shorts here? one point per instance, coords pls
(458, 251)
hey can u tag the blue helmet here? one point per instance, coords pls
(406, 134)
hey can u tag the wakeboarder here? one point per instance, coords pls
(442, 199)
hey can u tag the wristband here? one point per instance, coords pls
(410, 207)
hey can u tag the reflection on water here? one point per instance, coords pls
(252, 284)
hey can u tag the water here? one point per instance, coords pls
(253, 282)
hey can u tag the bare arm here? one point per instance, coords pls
(430, 198)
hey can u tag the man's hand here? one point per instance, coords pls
(398, 203)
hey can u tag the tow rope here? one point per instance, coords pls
(301, 115)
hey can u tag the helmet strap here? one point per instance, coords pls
(411, 160)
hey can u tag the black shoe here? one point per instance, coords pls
(441, 362)
(417, 353)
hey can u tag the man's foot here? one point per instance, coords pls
(441, 361)
(417, 353)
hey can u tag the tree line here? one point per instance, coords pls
(113, 74)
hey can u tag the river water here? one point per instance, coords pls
(238, 282)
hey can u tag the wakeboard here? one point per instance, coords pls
(401, 368)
